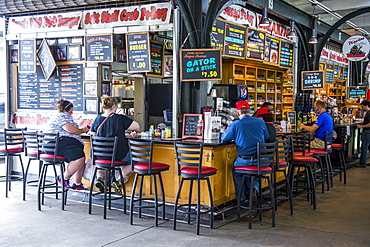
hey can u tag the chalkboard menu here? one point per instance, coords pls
(156, 59)
(200, 64)
(35, 92)
(286, 54)
(345, 73)
(355, 92)
(312, 80)
(27, 56)
(46, 59)
(234, 44)
(272, 49)
(192, 125)
(99, 48)
(291, 117)
(138, 50)
(255, 44)
(218, 34)
(329, 73)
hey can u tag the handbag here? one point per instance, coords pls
(97, 130)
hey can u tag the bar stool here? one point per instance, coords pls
(281, 164)
(103, 153)
(263, 169)
(189, 167)
(13, 147)
(48, 146)
(31, 151)
(340, 148)
(142, 153)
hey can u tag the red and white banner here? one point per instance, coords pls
(239, 15)
(275, 28)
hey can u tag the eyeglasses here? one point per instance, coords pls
(65, 108)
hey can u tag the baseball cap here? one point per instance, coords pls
(262, 111)
(242, 105)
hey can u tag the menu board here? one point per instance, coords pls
(336, 71)
(286, 54)
(272, 49)
(234, 44)
(35, 92)
(156, 59)
(255, 44)
(46, 59)
(99, 48)
(200, 64)
(329, 73)
(312, 80)
(355, 92)
(291, 117)
(138, 50)
(27, 56)
(218, 34)
(192, 125)
(345, 73)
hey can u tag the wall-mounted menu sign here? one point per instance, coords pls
(312, 80)
(272, 49)
(99, 48)
(291, 117)
(336, 71)
(27, 56)
(286, 54)
(329, 73)
(355, 92)
(200, 64)
(255, 44)
(345, 73)
(138, 50)
(192, 125)
(234, 44)
(218, 34)
(156, 59)
(46, 59)
(35, 92)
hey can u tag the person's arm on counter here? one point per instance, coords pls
(311, 129)
(72, 129)
(229, 133)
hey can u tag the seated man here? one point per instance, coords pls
(323, 123)
(246, 133)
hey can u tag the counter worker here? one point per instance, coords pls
(246, 133)
(324, 122)
(266, 106)
(365, 136)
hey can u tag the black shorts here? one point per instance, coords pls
(70, 148)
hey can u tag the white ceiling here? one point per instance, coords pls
(339, 8)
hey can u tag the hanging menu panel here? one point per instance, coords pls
(312, 80)
(138, 59)
(234, 45)
(156, 59)
(272, 49)
(27, 56)
(70, 83)
(329, 73)
(286, 54)
(99, 48)
(218, 34)
(255, 44)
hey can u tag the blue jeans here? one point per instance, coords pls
(365, 143)
(238, 178)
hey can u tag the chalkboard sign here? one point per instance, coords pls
(234, 44)
(286, 54)
(200, 64)
(255, 44)
(192, 125)
(345, 73)
(272, 49)
(156, 59)
(27, 56)
(312, 80)
(46, 59)
(291, 117)
(35, 92)
(329, 73)
(355, 92)
(138, 52)
(218, 34)
(99, 48)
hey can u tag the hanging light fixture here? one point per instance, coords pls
(292, 33)
(313, 39)
(265, 20)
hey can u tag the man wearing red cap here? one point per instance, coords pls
(246, 133)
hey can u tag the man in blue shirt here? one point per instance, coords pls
(246, 133)
(323, 123)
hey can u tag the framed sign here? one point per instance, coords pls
(272, 49)
(106, 89)
(122, 55)
(192, 125)
(200, 64)
(74, 53)
(46, 59)
(90, 89)
(138, 52)
(77, 41)
(218, 34)
(106, 73)
(286, 54)
(99, 48)
(27, 56)
(156, 59)
(291, 117)
(91, 105)
(14, 56)
(356, 92)
(60, 53)
(312, 80)
(168, 65)
(329, 73)
(255, 44)
(91, 73)
(234, 44)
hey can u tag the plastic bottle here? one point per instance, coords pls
(200, 126)
(288, 126)
(151, 130)
(283, 125)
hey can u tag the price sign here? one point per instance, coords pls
(255, 44)
(200, 64)
(27, 56)
(355, 92)
(291, 117)
(156, 59)
(312, 80)
(192, 125)
(218, 34)
(272, 49)
(286, 54)
(99, 48)
(234, 44)
(329, 73)
(138, 52)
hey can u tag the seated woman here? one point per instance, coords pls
(115, 125)
(268, 117)
(70, 144)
